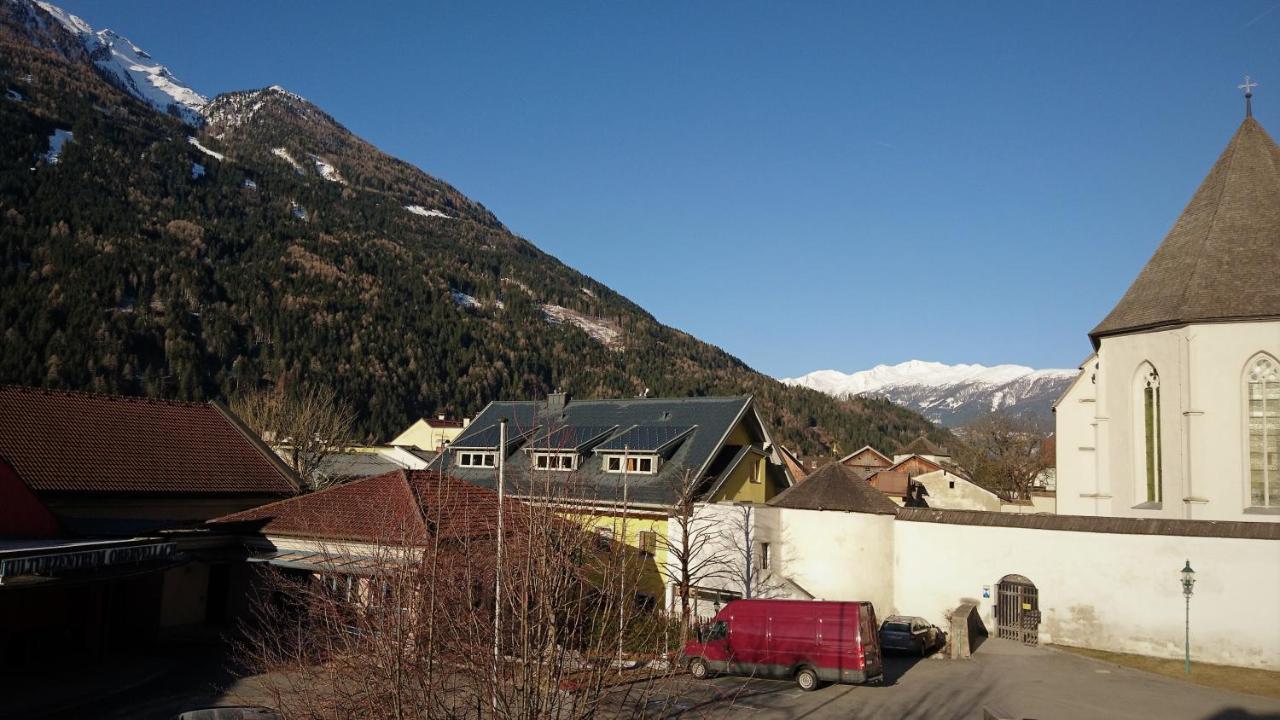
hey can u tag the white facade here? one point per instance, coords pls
(1203, 431)
(1110, 591)
(948, 491)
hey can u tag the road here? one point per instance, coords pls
(1008, 679)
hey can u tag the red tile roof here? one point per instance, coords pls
(78, 442)
(405, 506)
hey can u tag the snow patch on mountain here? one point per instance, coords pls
(424, 212)
(13, 95)
(197, 171)
(284, 155)
(56, 141)
(599, 329)
(205, 150)
(133, 70)
(327, 171)
(951, 395)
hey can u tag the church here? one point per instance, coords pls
(1176, 413)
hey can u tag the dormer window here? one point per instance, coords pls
(559, 461)
(640, 464)
(474, 458)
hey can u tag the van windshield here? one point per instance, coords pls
(897, 627)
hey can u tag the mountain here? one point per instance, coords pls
(951, 395)
(148, 251)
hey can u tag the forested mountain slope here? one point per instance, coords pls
(143, 255)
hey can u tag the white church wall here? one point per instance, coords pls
(1077, 480)
(1201, 369)
(1101, 590)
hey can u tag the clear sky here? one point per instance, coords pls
(807, 185)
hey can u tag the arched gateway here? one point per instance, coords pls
(1018, 610)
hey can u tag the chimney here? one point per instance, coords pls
(556, 401)
(440, 416)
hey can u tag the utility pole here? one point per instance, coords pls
(497, 573)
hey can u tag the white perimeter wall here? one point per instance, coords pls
(1105, 591)
(1099, 590)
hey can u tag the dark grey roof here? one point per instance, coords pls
(707, 421)
(337, 466)
(486, 438)
(835, 487)
(571, 437)
(646, 438)
(1222, 257)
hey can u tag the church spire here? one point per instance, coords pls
(1248, 87)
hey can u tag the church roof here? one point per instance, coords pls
(1221, 259)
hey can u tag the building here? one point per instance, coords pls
(100, 498)
(1176, 414)
(626, 462)
(358, 461)
(868, 459)
(922, 447)
(431, 434)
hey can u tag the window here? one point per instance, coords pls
(560, 461)
(643, 464)
(1263, 417)
(477, 459)
(764, 556)
(1152, 455)
(649, 542)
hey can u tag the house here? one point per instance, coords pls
(868, 459)
(431, 434)
(1176, 413)
(99, 498)
(949, 488)
(897, 480)
(627, 463)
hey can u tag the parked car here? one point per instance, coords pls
(812, 642)
(911, 634)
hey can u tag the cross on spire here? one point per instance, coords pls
(1248, 87)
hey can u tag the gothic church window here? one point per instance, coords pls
(1262, 413)
(1149, 400)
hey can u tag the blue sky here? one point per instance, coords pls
(807, 185)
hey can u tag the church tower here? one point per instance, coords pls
(1177, 412)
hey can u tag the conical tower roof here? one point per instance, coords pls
(1221, 260)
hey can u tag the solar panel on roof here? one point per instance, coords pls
(645, 438)
(570, 437)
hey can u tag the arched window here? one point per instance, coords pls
(1262, 413)
(1149, 406)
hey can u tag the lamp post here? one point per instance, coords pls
(1188, 582)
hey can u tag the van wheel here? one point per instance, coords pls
(698, 668)
(807, 679)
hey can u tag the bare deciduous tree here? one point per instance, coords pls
(694, 551)
(748, 566)
(1003, 455)
(305, 424)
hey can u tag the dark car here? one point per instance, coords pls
(910, 634)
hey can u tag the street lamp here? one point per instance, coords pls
(1188, 582)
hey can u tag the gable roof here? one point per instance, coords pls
(61, 441)
(921, 446)
(835, 487)
(884, 460)
(405, 506)
(1221, 259)
(688, 433)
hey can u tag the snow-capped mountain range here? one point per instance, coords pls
(951, 395)
(131, 69)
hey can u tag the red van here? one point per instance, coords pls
(809, 640)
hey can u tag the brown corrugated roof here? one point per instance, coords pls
(1222, 257)
(78, 442)
(835, 487)
(1086, 523)
(405, 506)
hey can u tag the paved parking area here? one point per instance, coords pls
(1008, 679)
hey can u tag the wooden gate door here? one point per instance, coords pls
(1018, 610)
